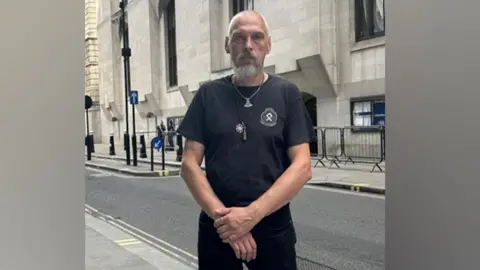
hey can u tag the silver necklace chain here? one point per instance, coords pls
(247, 99)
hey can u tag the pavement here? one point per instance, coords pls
(119, 165)
(108, 247)
(354, 177)
(336, 229)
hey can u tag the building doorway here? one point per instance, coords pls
(311, 104)
(172, 125)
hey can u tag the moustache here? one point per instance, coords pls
(249, 56)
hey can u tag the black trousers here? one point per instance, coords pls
(273, 253)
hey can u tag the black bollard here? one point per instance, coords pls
(89, 149)
(163, 152)
(126, 146)
(125, 141)
(112, 145)
(134, 149)
(180, 147)
(92, 144)
(151, 155)
(143, 147)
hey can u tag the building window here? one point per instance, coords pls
(241, 5)
(369, 19)
(368, 112)
(171, 44)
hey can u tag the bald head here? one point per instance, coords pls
(245, 17)
(248, 42)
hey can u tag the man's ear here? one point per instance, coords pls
(227, 49)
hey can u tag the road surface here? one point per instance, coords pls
(335, 228)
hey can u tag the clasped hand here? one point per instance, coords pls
(233, 226)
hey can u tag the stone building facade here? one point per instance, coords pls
(334, 50)
(92, 73)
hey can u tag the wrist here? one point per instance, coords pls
(256, 211)
(213, 207)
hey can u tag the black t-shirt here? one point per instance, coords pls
(240, 170)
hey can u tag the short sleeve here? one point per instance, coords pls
(299, 128)
(193, 123)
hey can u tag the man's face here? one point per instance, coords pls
(248, 43)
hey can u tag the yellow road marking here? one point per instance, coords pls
(125, 240)
(163, 173)
(129, 241)
(356, 187)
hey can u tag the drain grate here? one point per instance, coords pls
(306, 264)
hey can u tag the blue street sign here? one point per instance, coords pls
(157, 143)
(133, 97)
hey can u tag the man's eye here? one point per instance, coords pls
(256, 36)
(238, 38)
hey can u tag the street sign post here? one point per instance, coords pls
(157, 143)
(133, 97)
(134, 101)
(126, 54)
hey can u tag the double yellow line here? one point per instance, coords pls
(163, 173)
(356, 187)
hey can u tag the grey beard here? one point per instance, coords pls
(244, 72)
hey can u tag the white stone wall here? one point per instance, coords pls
(92, 74)
(360, 67)
(91, 51)
(299, 29)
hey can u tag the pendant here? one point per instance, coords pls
(248, 104)
(239, 128)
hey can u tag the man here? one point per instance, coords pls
(254, 132)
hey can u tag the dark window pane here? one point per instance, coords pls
(379, 107)
(369, 18)
(379, 120)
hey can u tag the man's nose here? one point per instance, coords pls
(249, 43)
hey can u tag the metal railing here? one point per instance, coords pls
(334, 146)
(350, 144)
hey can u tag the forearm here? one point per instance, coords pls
(284, 189)
(200, 189)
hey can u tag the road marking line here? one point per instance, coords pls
(346, 191)
(126, 240)
(165, 250)
(89, 208)
(356, 187)
(163, 173)
(130, 243)
(100, 174)
(156, 239)
(115, 174)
